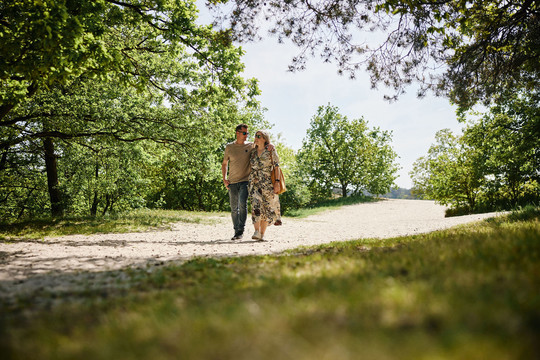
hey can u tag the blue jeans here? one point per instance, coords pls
(238, 194)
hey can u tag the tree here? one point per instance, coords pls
(508, 136)
(347, 154)
(495, 164)
(382, 168)
(297, 194)
(450, 173)
(466, 50)
(162, 79)
(51, 43)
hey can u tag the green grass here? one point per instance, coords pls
(137, 220)
(331, 204)
(471, 292)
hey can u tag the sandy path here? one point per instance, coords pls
(27, 265)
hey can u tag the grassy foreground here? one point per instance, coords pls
(472, 292)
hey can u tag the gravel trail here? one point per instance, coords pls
(55, 263)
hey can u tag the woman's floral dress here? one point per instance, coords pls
(264, 202)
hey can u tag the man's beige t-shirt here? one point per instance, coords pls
(238, 157)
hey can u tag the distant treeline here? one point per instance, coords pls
(400, 193)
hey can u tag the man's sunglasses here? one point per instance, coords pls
(243, 132)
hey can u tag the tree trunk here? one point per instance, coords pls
(55, 196)
(3, 161)
(5, 109)
(93, 209)
(107, 203)
(344, 190)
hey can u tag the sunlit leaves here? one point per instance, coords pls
(120, 73)
(449, 172)
(49, 43)
(347, 155)
(494, 164)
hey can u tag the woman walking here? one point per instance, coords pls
(264, 200)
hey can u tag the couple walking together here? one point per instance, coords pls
(249, 168)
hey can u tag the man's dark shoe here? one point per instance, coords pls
(237, 236)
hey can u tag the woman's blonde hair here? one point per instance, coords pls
(265, 135)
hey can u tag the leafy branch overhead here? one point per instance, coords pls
(468, 51)
(50, 43)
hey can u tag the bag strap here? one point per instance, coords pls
(273, 163)
(272, 160)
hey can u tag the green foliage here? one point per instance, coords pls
(484, 47)
(508, 136)
(369, 298)
(297, 194)
(51, 43)
(184, 182)
(44, 42)
(346, 154)
(494, 165)
(118, 154)
(449, 173)
(148, 74)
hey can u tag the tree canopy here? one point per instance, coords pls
(47, 43)
(449, 173)
(466, 50)
(494, 164)
(346, 154)
(86, 85)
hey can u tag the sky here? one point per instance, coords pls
(292, 99)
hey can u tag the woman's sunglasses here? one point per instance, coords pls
(258, 136)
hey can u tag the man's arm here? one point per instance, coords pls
(270, 147)
(224, 172)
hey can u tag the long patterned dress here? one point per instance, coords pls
(264, 202)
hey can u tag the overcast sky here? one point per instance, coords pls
(292, 100)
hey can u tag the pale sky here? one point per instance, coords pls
(292, 99)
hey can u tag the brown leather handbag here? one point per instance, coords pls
(277, 175)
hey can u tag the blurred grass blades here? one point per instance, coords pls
(469, 292)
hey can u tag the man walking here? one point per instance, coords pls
(236, 157)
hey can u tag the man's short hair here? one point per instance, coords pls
(241, 126)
